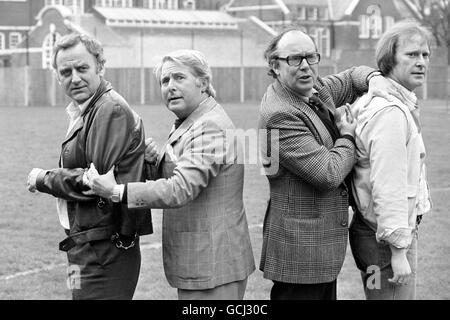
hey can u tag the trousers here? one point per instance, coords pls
(373, 259)
(228, 291)
(99, 270)
(303, 291)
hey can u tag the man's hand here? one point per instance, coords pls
(400, 266)
(32, 178)
(101, 185)
(345, 121)
(379, 86)
(151, 151)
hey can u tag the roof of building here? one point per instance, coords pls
(133, 17)
(340, 8)
(315, 3)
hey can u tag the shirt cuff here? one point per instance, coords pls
(400, 238)
(118, 193)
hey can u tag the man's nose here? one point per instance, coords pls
(304, 64)
(171, 84)
(75, 77)
(421, 61)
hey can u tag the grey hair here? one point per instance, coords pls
(387, 45)
(92, 45)
(193, 59)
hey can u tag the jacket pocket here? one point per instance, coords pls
(302, 200)
(189, 255)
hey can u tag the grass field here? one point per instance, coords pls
(31, 267)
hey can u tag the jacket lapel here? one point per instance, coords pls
(298, 103)
(203, 108)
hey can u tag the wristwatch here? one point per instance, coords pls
(117, 193)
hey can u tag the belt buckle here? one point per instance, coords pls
(119, 243)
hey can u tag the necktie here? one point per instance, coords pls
(320, 107)
(177, 123)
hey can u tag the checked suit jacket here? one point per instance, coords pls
(306, 223)
(205, 236)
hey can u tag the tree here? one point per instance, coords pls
(435, 14)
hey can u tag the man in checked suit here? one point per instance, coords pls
(306, 223)
(207, 252)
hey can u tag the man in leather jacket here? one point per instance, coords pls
(103, 237)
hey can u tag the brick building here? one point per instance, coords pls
(141, 30)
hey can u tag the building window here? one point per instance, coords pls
(163, 4)
(53, 2)
(114, 3)
(14, 39)
(301, 13)
(311, 12)
(371, 25)
(189, 4)
(321, 37)
(2, 41)
(47, 49)
(77, 6)
(364, 27)
(388, 22)
(323, 13)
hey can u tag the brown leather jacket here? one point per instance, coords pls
(111, 133)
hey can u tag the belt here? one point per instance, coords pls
(86, 236)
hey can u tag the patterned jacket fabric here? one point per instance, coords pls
(306, 223)
(206, 242)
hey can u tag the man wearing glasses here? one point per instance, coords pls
(306, 223)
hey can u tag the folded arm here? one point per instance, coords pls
(303, 155)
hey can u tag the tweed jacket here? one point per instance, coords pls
(306, 222)
(206, 241)
(110, 133)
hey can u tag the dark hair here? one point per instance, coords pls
(92, 45)
(269, 53)
(388, 43)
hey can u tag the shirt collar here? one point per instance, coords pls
(410, 98)
(74, 110)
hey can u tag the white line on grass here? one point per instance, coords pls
(32, 271)
(149, 246)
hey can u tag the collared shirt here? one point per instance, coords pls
(74, 113)
(389, 180)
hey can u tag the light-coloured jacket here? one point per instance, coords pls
(206, 241)
(389, 177)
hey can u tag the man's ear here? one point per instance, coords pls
(275, 66)
(55, 73)
(101, 72)
(201, 83)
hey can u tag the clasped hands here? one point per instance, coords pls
(103, 185)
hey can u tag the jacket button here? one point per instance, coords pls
(344, 193)
(344, 223)
(101, 203)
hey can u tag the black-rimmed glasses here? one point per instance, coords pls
(297, 59)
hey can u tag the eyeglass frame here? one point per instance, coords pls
(303, 57)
